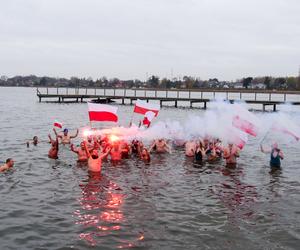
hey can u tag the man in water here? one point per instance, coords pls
(199, 154)
(65, 137)
(53, 152)
(160, 146)
(144, 155)
(34, 141)
(81, 153)
(125, 149)
(190, 147)
(276, 156)
(116, 152)
(94, 159)
(8, 164)
(231, 153)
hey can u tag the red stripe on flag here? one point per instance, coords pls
(102, 116)
(141, 110)
(244, 125)
(58, 125)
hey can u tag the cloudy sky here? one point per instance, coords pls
(227, 39)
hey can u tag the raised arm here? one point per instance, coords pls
(55, 132)
(264, 150)
(87, 150)
(56, 143)
(75, 150)
(281, 155)
(105, 154)
(50, 139)
(167, 146)
(152, 146)
(74, 136)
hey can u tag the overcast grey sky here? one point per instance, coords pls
(227, 39)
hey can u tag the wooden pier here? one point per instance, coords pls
(252, 96)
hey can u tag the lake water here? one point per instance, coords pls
(169, 204)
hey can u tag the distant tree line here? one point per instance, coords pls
(266, 82)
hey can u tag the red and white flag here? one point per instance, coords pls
(142, 107)
(102, 112)
(57, 124)
(237, 137)
(284, 130)
(244, 125)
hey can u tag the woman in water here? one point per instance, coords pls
(276, 156)
(199, 154)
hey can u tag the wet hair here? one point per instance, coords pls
(8, 160)
(35, 138)
(66, 130)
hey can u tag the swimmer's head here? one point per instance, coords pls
(66, 131)
(10, 162)
(116, 146)
(35, 140)
(89, 138)
(82, 145)
(274, 145)
(94, 154)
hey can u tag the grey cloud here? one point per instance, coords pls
(127, 38)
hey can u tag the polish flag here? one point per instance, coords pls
(244, 125)
(57, 124)
(142, 107)
(284, 130)
(237, 137)
(241, 140)
(102, 112)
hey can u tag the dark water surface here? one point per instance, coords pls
(169, 204)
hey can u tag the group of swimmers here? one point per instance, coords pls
(98, 148)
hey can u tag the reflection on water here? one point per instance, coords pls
(101, 213)
(235, 195)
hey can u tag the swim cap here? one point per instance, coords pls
(66, 130)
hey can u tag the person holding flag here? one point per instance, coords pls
(275, 157)
(65, 137)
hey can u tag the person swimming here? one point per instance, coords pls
(231, 153)
(81, 152)
(94, 159)
(34, 141)
(190, 147)
(199, 154)
(116, 152)
(276, 155)
(53, 152)
(65, 137)
(160, 146)
(144, 155)
(9, 163)
(125, 150)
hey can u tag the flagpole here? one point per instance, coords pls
(130, 123)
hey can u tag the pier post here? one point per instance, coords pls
(191, 104)
(175, 104)
(160, 103)
(274, 107)
(123, 101)
(131, 101)
(264, 107)
(81, 99)
(205, 105)
(40, 99)
(147, 100)
(59, 99)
